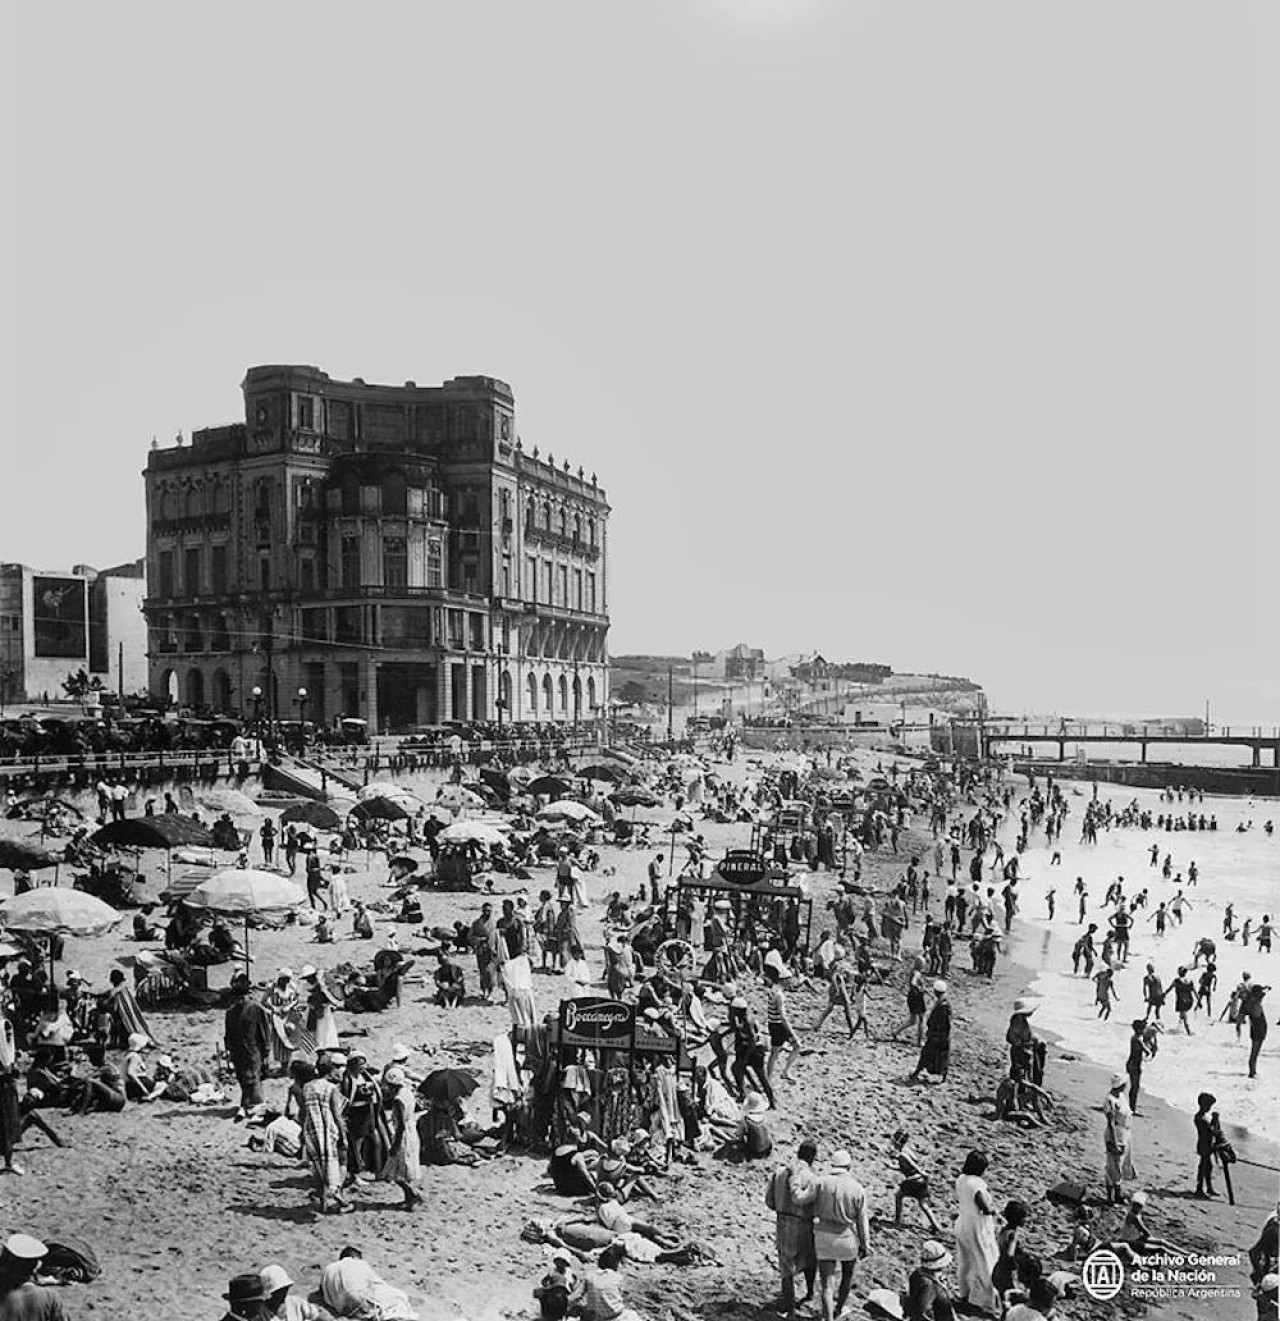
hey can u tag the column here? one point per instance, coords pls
(369, 684)
(444, 690)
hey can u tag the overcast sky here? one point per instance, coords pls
(930, 334)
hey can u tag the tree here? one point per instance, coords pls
(632, 693)
(79, 684)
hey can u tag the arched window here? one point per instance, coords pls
(195, 688)
(395, 494)
(192, 509)
(564, 694)
(531, 517)
(591, 693)
(166, 502)
(221, 497)
(350, 493)
(533, 695)
(546, 516)
(564, 524)
(577, 527)
(548, 701)
(591, 531)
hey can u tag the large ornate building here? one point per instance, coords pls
(384, 552)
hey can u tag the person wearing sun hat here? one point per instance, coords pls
(1026, 1050)
(20, 1296)
(935, 1056)
(280, 1304)
(246, 1298)
(841, 1231)
(928, 1295)
(1119, 1139)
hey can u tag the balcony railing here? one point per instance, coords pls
(572, 545)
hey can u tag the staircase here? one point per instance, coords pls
(297, 775)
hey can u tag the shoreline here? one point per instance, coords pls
(1163, 1146)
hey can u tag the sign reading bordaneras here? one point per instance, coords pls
(595, 1021)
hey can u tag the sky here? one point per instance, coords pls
(941, 335)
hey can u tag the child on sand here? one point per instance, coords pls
(915, 1183)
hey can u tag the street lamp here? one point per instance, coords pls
(257, 711)
(302, 719)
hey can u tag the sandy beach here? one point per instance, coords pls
(175, 1203)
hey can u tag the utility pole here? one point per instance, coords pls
(120, 674)
(670, 702)
(695, 685)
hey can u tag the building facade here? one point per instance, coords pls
(54, 624)
(390, 553)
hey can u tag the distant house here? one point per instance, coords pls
(740, 664)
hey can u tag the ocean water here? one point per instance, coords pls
(1242, 869)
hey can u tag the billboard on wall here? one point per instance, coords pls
(59, 617)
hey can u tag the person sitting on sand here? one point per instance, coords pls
(1135, 1233)
(20, 1296)
(928, 1296)
(101, 1091)
(450, 982)
(139, 1082)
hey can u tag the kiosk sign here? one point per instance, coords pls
(595, 1021)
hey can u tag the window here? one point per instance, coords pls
(221, 497)
(395, 562)
(577, 527)
(262, 499)
(506, 634)
(455, 630)
(477, 632)
(531, 579)
(306, 413)
(166, 573)
(264, 572)
(577, 589)
(591, 531)
(350, 562)
(191, 571)
(347, 623)
(351, 494)
(506, 577)
(547, 586)
(591, 592)
(307, 574)
(564, 524)
(435, 562)
(166, 502)
(192, 509)
(468, 575)
(564, 586)
(546, 517)
(395, 494)
(218, 569)
(530, 517)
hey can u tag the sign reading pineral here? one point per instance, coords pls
(595, 1021)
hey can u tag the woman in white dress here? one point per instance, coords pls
(976, 1249)
(404, 1161)
(1119, 1138)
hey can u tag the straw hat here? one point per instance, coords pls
(940, 987)
(394, 1076)
(273, 1278)
(933, 1255)
(308, 970)
(24, 1247)
(884, 1302)
(1025, 1005)
(282, 975)
(755, 1104)
(138, 1041)
(841, 1160)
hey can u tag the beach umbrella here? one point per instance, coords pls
(168, 831)
(8, 950)
(383, 809)
(17, 856)
(403, 864)
(319, 815)
(548, 784)
(600, 772)
(229, 800)
(634, 796)
(54, 911)
(246, 892)
(496, 780)
(481, 832)
(568, 810)
(385, 789)
(449, 1084)
(454, 795)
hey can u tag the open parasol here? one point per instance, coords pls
(17, 856)
(454, 795)
(599, 771)
(319, 815)
(54, 911)
(449, 1084)
(245, 892)
(548, 784)
(634, 796)
(479, 832)
(568, 810)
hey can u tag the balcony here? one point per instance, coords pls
(192, 523)
(570, 545)
(564, 614)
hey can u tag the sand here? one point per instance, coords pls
(175, 1203)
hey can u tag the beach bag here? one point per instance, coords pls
(69, 1260)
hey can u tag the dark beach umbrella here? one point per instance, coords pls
(319, 815)
(497, 781)
(403, 865)
(17, 856)
(384, 809)
(169, 831)
(600, 772)
(547, 784)
(635, 797)
(449, 1084)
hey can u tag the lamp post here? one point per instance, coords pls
(257, 712)
(302, 720)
